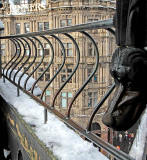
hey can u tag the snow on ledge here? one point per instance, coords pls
(37, 91)
(64, 142)
(137, 148)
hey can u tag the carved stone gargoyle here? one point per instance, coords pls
(129, 70)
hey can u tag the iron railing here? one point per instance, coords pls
(20, 59)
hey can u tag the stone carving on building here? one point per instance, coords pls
(129, 65)
(128, 68)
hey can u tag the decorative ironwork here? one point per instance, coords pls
(18, 62)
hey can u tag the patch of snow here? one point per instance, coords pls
(64, 142)
(30, 82)
(43, 2)
(137, 148)
(6, 153)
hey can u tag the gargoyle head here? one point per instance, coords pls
(129, 70)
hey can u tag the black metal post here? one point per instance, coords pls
(1, 29)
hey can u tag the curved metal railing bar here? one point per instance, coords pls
(19, 80)
(33, 86)
(16, 59)
(111, 30)
(63, 61)
(10, 60)
(51, 61)
(20, 60)
(15, 56)
(77, 28)
(74, 70)
(61, 66)
(91, 75)
(52, 58)
(97, 107)
(25, 83)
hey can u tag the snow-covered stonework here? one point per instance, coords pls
(64, 142)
